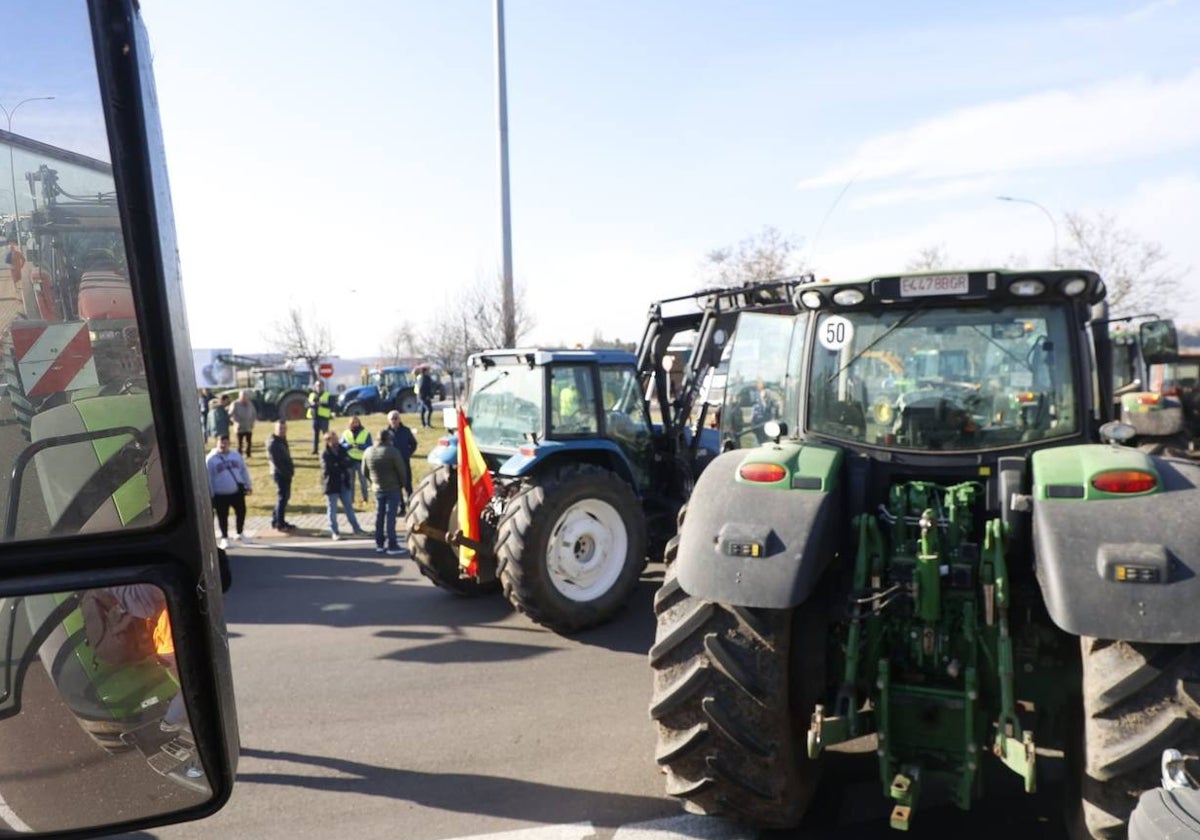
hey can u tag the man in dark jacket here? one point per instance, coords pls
(384, 467)
(404, 440)
(282, 471)
(425, 395)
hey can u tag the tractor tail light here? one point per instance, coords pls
(1149, 399)
(443, 441)
(1125, 481)
(764, 473)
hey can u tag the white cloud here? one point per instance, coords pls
(1119, 120)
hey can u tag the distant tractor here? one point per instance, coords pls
(278, 393)
(589, 473)
(383, 390)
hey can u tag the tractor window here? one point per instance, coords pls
(944, 378)
(756, 382)
(74, 387)
(506, 405)
(572, 400)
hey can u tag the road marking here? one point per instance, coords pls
(9, 816)
(682, 827)
(690, 826)
(575, 831)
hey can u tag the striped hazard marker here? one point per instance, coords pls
(53, 357)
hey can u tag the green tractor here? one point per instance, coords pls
(278, 393)
(908, 557)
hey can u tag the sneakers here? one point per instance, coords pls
(335, 537)
(173, 726)
(395, 551)
(379, 549)
(359, 532)
(223, 543)
(242, 538)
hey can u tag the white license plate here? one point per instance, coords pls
(934, 284)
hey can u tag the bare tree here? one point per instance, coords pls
(769, 255)
(1137, 272)
(297, 336)
(470, 322)
(599, 342)
(399, 344)
(929, 258)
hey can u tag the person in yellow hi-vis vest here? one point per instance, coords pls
(320, 409)
(356, 440)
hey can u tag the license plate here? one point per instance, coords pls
(934, 284)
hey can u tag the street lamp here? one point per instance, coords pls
(1049, 215)
(12, 167)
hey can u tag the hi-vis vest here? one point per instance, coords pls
(358, 443)
(321, 403)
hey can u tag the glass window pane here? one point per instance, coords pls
(572, 400)
(76, 421)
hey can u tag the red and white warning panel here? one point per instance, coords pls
(53, 357)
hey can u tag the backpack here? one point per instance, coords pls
(115, 636)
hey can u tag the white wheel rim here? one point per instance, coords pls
(586, 551)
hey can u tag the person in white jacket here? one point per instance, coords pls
(229, 484)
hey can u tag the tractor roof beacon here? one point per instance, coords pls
(592, 453)
(938, 541)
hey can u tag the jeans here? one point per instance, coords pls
(347, 497)
(320, 427)
(426, 412)
(387, 504)
(283, 490)
(362, 480)
(244, 436)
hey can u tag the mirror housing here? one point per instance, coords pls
(1159, 341)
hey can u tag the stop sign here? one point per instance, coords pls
(325, 370)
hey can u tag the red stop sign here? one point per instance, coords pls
(325, 370)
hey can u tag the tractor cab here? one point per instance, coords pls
(530, 406)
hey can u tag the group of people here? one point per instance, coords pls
(218, 414)
(348, 461)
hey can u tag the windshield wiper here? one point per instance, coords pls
(908, 316)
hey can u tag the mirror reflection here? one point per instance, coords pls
(93, 726)
(76, 426)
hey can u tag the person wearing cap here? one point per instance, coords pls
(356, 440)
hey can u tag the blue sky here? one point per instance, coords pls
(314, 151)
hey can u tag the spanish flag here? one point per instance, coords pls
(475, 490)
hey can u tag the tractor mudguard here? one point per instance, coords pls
(537, 458)
(756, 543)
(1118, 566)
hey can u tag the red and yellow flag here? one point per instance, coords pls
(475, 490)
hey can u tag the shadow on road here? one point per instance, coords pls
(463, 792)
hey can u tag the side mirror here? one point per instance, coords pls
(116, 696)
(1159, 342)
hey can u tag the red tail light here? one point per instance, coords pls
(1149, 399)
(528, 451)
(1125, 481)
(765, 473)
(443, 441)
(1024, 397)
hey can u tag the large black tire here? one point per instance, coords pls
(734, 692)
(594, 520)
(292, 406)
(407, 403)
(354, 409)
(436, 501)
(1138, 699)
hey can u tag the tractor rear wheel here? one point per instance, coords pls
(571, 547)
(354, 409)
(1138, 699)
(436, 502)
(292, 406)
(734, 692)
(408, 403)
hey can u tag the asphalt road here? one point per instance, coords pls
(373, 705)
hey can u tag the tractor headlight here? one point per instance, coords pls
(1027, 288)
(1074, 286)
(812, 299)
(848, 297)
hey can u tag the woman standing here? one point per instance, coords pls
(337, 483)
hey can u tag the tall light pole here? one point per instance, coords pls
(510, 326)
(12, 167)
(1049, 215)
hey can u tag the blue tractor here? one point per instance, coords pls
(592, 454)
(383, 390)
